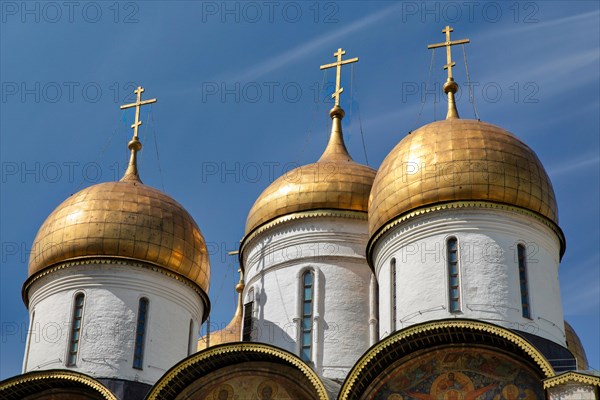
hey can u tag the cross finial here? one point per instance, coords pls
(138, 104)
(131, 174)
(338, 64)
(450, 87)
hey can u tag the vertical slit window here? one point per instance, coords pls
(306, 330)
(394, 294)
(140, 334)
(525, 308)
(191, 338)
(453, 275)
(29, 335)
(75, 330)
(248, 314)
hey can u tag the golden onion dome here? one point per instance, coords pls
(232, 332)
(575, 347)
(459, 160)
(335, 181)
(124, 220)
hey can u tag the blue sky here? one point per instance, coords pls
(241, 100)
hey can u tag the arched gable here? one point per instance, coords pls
(453, 358)
(54, 384)
(240, 370)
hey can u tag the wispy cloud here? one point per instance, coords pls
(574, 165)
(287, 57)
(581, 293)
(537, 63)
(573, 20)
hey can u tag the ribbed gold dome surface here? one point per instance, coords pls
(459, 159)
(334, 182)
(124, 219)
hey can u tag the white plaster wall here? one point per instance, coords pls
(489, 275)
(112, 294)
(334, 249)
(573, 391)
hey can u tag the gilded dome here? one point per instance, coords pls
(335, 181)
(128, 220)
(232, 332)
(459, 160)
(574, 345)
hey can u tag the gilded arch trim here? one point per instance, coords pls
(571, 376)
(242, 352)
(52, 379)
(412, 332)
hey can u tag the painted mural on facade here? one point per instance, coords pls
(457, 374)
(250, 388)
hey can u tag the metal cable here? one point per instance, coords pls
(471, 97)
(423, 98)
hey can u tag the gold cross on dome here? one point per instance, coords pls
(138, 104)
(448, 43)
(338, 64)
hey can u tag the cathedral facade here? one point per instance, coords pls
(433, 277)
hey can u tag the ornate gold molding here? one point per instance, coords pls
(572, 376)
(57, 375)
(458, 205)
(119, 261)
(239, 347)
(415, 330)
(359, 215)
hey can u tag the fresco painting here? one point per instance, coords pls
(249, 388)
(457, 374)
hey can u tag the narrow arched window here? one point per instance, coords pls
(29, 335)
(191, 338)
(140, 334)
(248, 314)
(522, 256)
(394, 294)
(307, 316)
(75, 335)
(453, 275)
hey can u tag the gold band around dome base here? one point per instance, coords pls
(37, 376)
(428, 328)
(348, 214)
(121, 261)
(571, 376)
(462, 204)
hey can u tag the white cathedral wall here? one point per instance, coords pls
(112, 295)
(333, 248)
(489, 272)
(572, 391)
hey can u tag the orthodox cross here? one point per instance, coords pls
(338, 64)
(448, 43)
(138, 104)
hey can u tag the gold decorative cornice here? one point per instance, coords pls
(36, 377)
(363, 363)
(466, 205)
(245, 348)
(572, 376)
(119, 261)
(359, 215)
